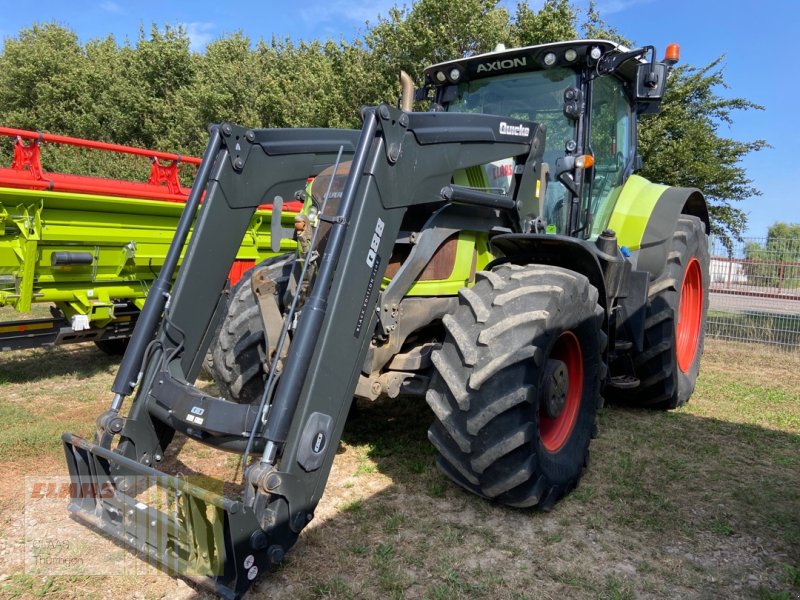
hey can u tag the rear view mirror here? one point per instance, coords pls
(651, 78)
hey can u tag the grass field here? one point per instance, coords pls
(703, 502)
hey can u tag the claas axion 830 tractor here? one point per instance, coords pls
(495, 254)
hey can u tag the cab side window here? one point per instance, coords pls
(610, 143)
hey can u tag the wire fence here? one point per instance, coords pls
(755, 291)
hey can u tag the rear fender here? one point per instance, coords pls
(645, 217)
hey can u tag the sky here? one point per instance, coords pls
(755, 39)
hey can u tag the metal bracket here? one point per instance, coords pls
(266, 292)
(28, 158)
(238, 141)
(530, 180)
(165, 174)
(277, 231)
(544, 175)
(441, 225)
(394, 123)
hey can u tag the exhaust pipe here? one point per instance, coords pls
(407, 94)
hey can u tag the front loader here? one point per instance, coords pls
(495, 254)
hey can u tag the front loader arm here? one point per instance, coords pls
(408, 160)
(399, 160)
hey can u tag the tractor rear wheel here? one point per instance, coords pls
(239, 351)
(675, 323)
(517, 384)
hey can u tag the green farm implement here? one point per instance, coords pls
(91, 247)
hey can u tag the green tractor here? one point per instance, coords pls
(495, 254)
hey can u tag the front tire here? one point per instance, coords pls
(517, 384)
(239, 352)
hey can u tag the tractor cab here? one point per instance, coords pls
(587, 94)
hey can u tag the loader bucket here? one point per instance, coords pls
(180, 528)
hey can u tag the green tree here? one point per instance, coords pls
(157, 93)
(101, 90)
(432, 31)
(553, 22)
(40, 78)
(226, 86)
(682, 145)
(301, 87)
(163, 68)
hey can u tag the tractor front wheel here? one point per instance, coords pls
(239, 352)
(517, 384)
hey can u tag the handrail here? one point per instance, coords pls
(26, 171)
(95, 145)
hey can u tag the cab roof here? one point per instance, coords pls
(528, 58)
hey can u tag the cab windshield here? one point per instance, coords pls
(533, 96)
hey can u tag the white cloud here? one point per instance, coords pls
(609, 7)
(359, 11)
(112, 7)
(200, 34)
(511, 5)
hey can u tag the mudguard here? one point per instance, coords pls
(645, 217)
(558, 250)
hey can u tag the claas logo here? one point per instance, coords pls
(64, 490)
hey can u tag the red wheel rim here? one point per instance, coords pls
(554, 432)
(690, 315)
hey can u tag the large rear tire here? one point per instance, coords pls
(517, 384)
(238, 353)
(675, 323)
